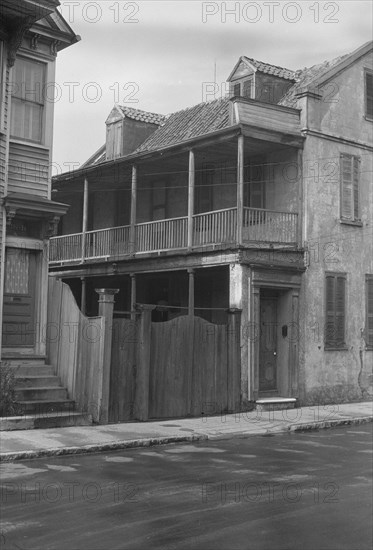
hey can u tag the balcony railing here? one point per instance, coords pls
(209, 228)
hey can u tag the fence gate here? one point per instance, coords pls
(183, 367)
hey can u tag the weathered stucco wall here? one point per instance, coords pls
(343, 375)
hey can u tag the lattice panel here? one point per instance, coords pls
(16, 271)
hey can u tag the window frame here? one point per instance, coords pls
(367, 337)
(367, 72)
(331, 344)
(354, 219)
(25, 101)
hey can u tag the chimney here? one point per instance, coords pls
(127, 129)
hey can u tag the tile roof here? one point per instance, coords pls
(144, 116)
(274, 70)
(189, 123)
(305, 76)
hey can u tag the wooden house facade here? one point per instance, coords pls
(32, 32)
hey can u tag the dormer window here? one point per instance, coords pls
(243, 88)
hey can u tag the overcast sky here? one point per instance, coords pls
(156, 56)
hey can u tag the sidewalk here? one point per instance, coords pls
(25, 444)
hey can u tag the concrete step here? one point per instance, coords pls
(41, 407)
(48, 393)
(32, 370)
(275, 403)
(47, 420)
(37, 381)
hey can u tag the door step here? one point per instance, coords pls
(275, 403)
(62, 419)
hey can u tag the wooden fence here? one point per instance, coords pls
(183, 367)
(75, 347)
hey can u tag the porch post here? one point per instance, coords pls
(191, 292)
(105, 310)
(133, 210)
(240, 182)
(85, 216)
(191, 184)
(83, 299)
(133, 296)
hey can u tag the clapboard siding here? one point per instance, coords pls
(28, 169)
(270, 117)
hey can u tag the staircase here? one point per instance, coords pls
(43, 401)
(275, 403)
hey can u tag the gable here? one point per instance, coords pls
(241, 70)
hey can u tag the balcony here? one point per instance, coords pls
(219, 227)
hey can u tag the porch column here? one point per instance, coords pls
(240, 182)
(191, 183)
(133, 296)
(83, 299)
(85, 216)
(133, 210)
(191, 292)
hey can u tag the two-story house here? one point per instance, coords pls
(32, 32)
(260, 201)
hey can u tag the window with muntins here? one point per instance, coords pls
(335, 310)
(27, 100)
(349, 180)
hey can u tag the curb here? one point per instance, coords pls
(96, 448)
(150, 442)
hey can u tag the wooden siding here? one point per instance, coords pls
(75, 347)
(28, 169)
(269, 117)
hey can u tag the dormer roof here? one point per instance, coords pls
(120, 111)
(254, 65)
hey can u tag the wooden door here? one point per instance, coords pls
(19, 298)
(268, 345)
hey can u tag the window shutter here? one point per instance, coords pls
(330, 308)
(346, 187)
(247, 88)
(340, 300)
(237, 90)
(369, 314)
(356, 187)
(369, 94)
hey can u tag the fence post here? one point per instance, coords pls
(234, 358)
(141, 408)
(105, 310)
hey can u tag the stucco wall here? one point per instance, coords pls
(345, 375)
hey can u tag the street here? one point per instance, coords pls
(309, 490)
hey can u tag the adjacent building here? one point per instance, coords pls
(32, 32)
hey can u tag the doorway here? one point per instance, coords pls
(19, 298)
(268, 347)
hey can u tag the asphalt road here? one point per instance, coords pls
(300, 491)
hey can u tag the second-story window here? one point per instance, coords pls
(369, 95)
(27, 100)
(349, 178)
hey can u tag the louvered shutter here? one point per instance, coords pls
(346, 187)
(340, 301)
(237, 90)
(247, 88)
(369, 95)
(369, 314)
(356, 187)
(329, 311)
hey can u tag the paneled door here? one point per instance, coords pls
(268, 345)
(19, 298)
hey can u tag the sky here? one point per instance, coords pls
(163, 56)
